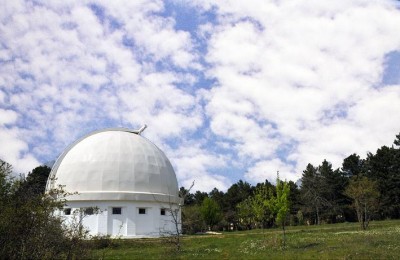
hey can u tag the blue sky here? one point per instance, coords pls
(229, 89)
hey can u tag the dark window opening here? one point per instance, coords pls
(116, 211)
(67, 211)
(89, 211)
(142, 211)
(162, 212)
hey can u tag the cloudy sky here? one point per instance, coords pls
(229, 89)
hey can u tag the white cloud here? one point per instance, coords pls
(307, 69)
(7, 117)
(268, 169)
(70, 68)
(195, 163)
(14, 151)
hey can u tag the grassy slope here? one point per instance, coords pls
(344, 241)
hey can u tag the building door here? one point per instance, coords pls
(117, 221)
(144, 221)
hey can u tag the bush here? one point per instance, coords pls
(102, 241)
(29, 228)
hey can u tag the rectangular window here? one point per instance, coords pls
(162, 212)
(142, 211)
(116, 211)
(89, 211)
(67, 211)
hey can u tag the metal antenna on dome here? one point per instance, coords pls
(142, 129)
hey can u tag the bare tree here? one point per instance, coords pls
(174, 210)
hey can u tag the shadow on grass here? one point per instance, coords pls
(309, 245)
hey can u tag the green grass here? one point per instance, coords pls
(334, 241)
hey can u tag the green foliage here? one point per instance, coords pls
(352, 166)
(322, 193)
(384, 168)
(199, 197)
(187, 196)
(312, 193)
(364, 193)
(103, 241)
(245, 213)
(279, 204)
(192, 220)
(29, 229)
(258, 203)
(210, 212)
(36, 180)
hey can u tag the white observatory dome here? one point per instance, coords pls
(126, 177)
(115, 164)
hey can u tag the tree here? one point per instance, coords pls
(218, 196)
(5, 181)
(312, 189)
(397, 140)
(199, 197)
(175, 212)
(188, 197)
(210, 212)
(296, 215)
(37, 179)
(245, 213)
(237, 193)
(333, 184)
(29, 227)
(364, 193)
(259, 206)
(192, 220)
(279, 204)
(384, 168)
(352, 166)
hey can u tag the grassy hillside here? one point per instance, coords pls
(344, 241)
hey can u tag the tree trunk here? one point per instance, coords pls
(284, 235)
(366, 218)
(360, 214)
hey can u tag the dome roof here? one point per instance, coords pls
(115, 164)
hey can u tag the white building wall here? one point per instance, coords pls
(127, 224)
(131, 225)
(102, 223)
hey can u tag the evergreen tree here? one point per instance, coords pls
(295, 200)
(199, 196)
(189, 198)
(352, 166)
(384, 168)
(36, 180)
(237, 193)
(333, 185)
(219, 197)
(312, 189)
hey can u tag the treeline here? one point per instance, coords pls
(361, 190)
